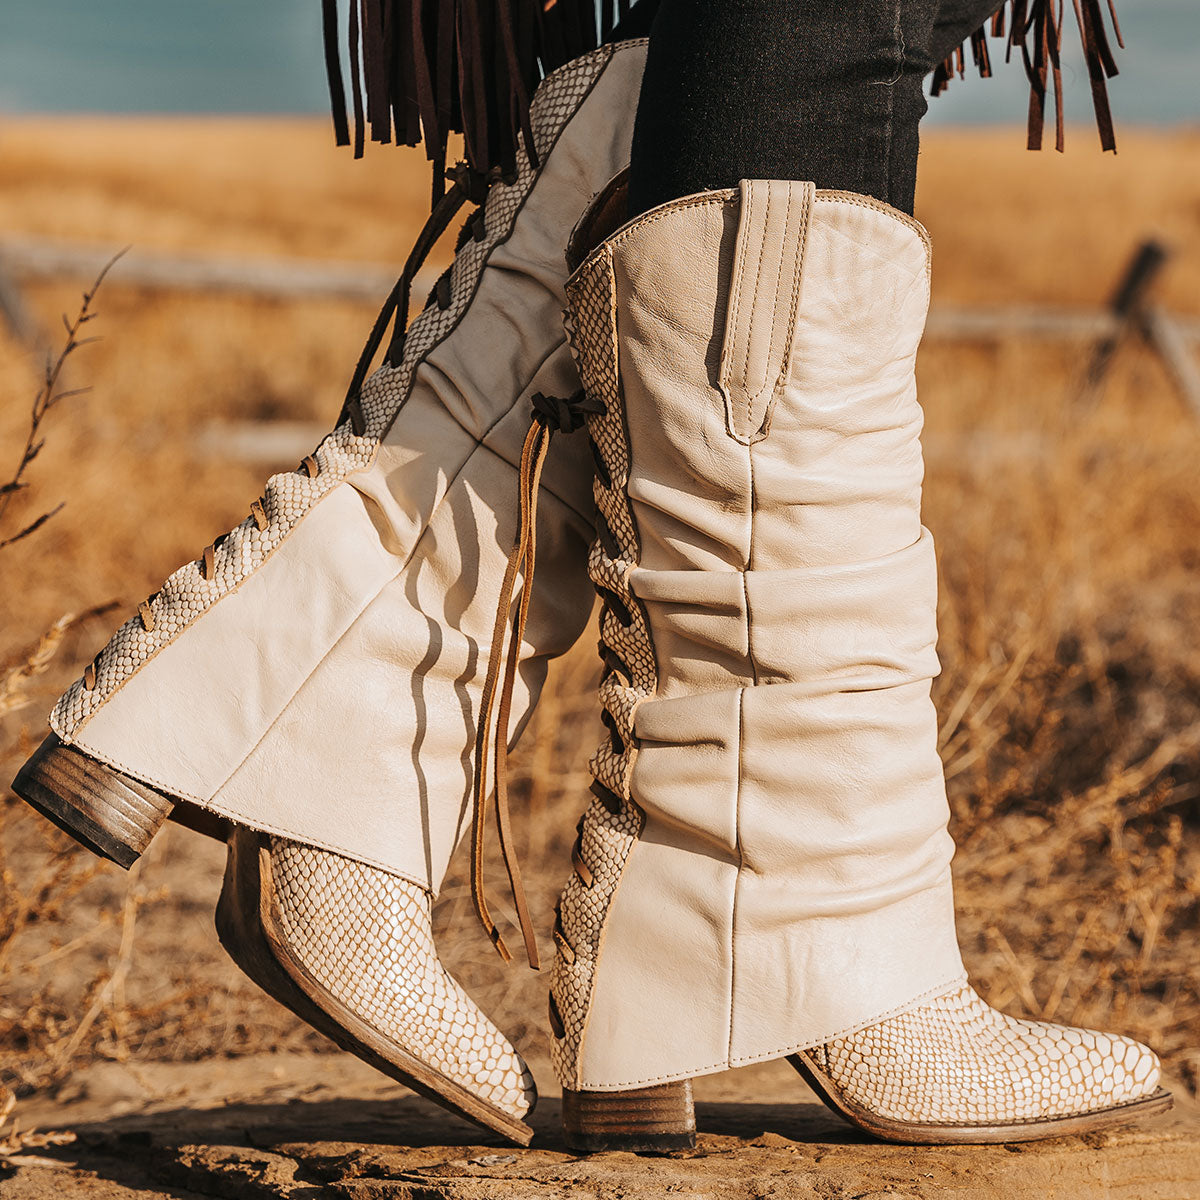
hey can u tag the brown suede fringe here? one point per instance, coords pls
(421, 70)
(1035, 28)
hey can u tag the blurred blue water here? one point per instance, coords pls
(264, 56)
(192, 56)
(1159, 83)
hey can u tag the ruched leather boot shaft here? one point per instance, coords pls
(317, 674)
(768, 864)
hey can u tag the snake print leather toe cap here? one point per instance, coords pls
(367, 937)
(957, 1060)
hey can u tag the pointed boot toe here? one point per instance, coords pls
(956, 1070)
(349, 949)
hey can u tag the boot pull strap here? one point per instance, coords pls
(764, 300)
(550, 414)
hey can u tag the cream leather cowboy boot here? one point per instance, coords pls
(313, 680)
(765, 870)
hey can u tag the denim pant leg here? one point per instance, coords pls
(790, 89)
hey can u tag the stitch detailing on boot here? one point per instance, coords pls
(367, 938)
(957, 1061)
(612, 822)
(288, 497)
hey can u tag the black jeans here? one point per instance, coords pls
(824, 90)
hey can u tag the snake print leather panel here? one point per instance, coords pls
(605, 837)
(366, 936)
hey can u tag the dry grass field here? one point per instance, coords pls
(1069, 541)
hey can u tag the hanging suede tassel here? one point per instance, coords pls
(333, 71)
(1040, 65)
(1101, 63)
(1035, 30)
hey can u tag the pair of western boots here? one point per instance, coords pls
(764, 869)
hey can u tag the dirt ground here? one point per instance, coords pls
(296, 1125)
(1069, 699)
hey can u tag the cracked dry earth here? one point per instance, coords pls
(306, 1125)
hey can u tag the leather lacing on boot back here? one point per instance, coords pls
(612, 804)
(207, 561)
(551, 414)
(467, 186)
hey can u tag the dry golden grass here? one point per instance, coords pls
(1070, 694)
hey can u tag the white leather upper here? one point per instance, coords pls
(326, 690)
(791, 879)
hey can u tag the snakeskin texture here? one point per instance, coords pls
(187, 594)
(605, 837)
(955, 1060)
(366, 936)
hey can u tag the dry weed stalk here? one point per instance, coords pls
(1071, 718)
(16, 679)
(14, 682)
(110, 994)
(47, 397)
(64, 871)
(16, 1140)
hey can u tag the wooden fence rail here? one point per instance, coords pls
(26, 258)
(30, 258)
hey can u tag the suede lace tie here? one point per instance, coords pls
(551, 414)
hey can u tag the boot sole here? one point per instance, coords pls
(111, 814)
(249, 930)
(938, 1134)
(661, 1119)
